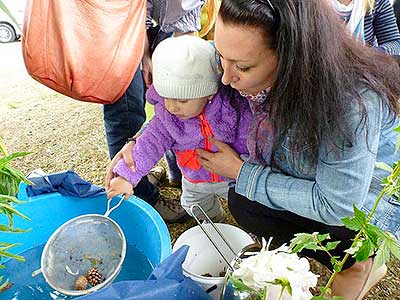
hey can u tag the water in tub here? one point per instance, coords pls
(25, 287)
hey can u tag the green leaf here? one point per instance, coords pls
(5, 160)
(5, 228)
(337, 268)
(239, 285)
(13, 210)
(354, 248)
(331, 245)
(373, 232)
(6, 283)
(11, 255)
(351, 223)
(360, 216)
(364, 251)
(394, 247)
(300, 239)
(335, 260)
(382, 255)
(323, 237)
(384, 166)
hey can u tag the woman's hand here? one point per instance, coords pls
(226, 162)
(126, 154)
(119, 185)
(147, 66)
(147, 71)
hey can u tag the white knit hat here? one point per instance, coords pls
(185, 67)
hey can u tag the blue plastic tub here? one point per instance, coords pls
(143, 227)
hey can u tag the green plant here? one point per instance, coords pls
(9, 182)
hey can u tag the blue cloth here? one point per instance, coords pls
(66, 183)
(166, 282)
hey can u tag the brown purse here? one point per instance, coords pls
(86, 49)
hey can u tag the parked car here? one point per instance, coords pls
(9, 31)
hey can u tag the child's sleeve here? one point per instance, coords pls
(149, 148)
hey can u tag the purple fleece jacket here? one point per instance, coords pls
(165, 131)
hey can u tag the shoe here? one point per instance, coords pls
(171, 210)
(375, 275)
(156, 175)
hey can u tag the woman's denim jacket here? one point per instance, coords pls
(326, 191)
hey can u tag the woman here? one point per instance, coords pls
(324, 109)
(371, 21)
(324, 112)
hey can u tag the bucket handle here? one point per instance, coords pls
(110, 210)
(209, 236)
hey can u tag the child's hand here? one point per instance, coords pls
(119, 185)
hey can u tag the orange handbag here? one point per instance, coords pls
(86, 49)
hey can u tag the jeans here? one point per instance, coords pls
(156, 36)
(122, 120)
(282, 225)
(173, 169)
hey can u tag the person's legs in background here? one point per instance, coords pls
(156, 36)
(174, 173)
(122, 120)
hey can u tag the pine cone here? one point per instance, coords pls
(94, 276)
(81, 283)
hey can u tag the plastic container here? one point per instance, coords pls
(143, 227)
(203, 259)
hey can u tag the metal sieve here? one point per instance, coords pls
(79, 244)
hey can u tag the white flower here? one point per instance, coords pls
(277, 269)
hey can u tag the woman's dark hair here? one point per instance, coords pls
(321, 68)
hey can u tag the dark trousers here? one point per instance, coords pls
(122, 120)
(282, 225)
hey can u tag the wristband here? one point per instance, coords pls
(131, 139)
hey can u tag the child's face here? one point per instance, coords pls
(186, 109)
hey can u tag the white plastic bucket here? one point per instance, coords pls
(203, 258)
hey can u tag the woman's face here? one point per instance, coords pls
(249, 66)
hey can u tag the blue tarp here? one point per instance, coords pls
(166, 282)
(66, 183)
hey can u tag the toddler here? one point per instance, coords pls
(190, 106)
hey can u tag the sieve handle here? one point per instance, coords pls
(110, 210)
(209, 236)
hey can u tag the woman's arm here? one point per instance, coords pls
(342, 179)
(385, 28)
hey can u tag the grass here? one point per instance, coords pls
(66, 134)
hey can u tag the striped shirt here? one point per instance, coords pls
(175, 15)
(380, 28)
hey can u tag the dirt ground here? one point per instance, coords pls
(66, 134)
